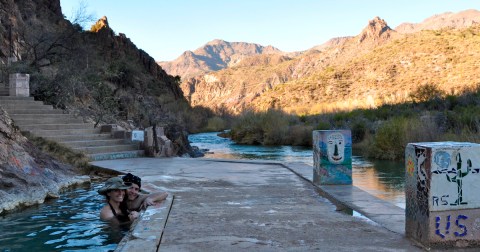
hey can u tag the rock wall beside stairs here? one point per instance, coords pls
(28, 176)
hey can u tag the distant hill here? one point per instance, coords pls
(236, 88)
(379, 65)
(213, 56)
(452, 20)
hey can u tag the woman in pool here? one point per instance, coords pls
(137, 201)
(115, 210)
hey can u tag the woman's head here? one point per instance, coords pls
(114, 188)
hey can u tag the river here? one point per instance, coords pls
(383, 179)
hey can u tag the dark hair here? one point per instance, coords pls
(130, 178)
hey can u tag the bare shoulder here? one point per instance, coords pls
(106, 213)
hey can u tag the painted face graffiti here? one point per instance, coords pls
(336, 148)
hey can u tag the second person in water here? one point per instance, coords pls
(137, 201)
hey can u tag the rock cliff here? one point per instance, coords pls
(28, 176)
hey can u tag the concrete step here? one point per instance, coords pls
(38, 116)
(117, 155)
(13, 106)
(35, 111)
(46, 133)
(16, 98)
(106, 149)
(93, 143)
(29, 121)
(57, 126)
(78, 137)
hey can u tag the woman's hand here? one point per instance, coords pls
(147, 202)
(133, 215)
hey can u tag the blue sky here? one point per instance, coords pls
(167, 28)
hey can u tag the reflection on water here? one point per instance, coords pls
(70, 223)
(384, 179)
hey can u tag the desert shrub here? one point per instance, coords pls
(299, 135)
(323, 125)
(464, 118)
(215, 124)
(422, 129)
(426, 92)
(267, 128)
(389, 140)
(247, 129)
(358, 132)
(275, 126)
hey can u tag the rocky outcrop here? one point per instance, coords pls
(377, 32)
(105, 37)
(28, 176)
(213, 56)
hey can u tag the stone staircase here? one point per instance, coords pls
(3, 90)
(53, 124)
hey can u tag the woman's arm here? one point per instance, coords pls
(154, 198)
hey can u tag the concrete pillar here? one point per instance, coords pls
(332, 157)
(19, 85)
(442, 189)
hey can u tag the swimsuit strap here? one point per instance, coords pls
(113, 210)
(121, 218)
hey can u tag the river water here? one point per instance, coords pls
(383, 179)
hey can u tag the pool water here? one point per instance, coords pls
(69, 223)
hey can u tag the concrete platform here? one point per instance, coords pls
(230, 205)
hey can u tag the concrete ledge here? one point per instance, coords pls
(146, 232)
(381, 212)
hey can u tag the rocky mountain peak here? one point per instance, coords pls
(213, 56)
(101, 24)
(376, 30)
(217, 42)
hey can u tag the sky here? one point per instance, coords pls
(167, 28)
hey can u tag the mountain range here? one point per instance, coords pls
(380, 65)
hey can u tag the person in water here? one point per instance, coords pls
(116, 210)
(137, 201)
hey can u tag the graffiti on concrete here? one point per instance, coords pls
(336, 147)
(461, 229)
(332, 156)
(453, 190)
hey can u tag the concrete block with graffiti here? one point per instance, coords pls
(442, 185)
(332, 157)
